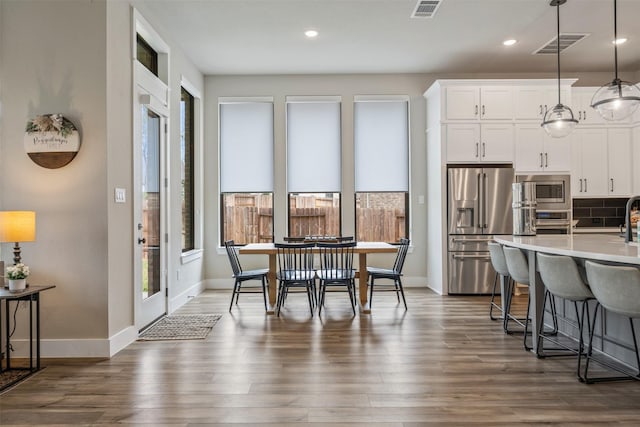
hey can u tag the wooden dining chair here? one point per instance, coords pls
(242, 276)
(394, 273)
(295, 271)
(336, 270)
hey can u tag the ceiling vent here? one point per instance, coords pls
(566, 41)
(426, 8)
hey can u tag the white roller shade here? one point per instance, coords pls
(381, 133)
(246, 147)
(313, 147)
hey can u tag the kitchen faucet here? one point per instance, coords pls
(628, 233)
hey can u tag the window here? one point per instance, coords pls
(246, 170)
(381, 133)
(146, 55)
(187, 132)
(314, 166)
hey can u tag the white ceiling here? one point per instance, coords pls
(378, 36)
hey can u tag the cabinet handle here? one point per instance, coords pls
(476, 113)
(546, 109)
(540, 109)
(585, 185)
(580, 115)
(482, 110)
(477, 149)
(484, 150)
(540, 159)
(612, 185)
(546, 160)
(580, 185)
(584, 115)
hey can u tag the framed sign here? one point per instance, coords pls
(51, 140)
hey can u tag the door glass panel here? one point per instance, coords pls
(150, 193)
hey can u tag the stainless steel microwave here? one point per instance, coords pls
(551, 191)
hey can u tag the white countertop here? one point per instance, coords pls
(607, 230)
(600, 247)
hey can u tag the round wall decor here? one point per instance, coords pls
(51, 140)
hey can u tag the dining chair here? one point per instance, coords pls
(242, 276)
(289, 239)
(336, 270)
(394, 273)
(617, 290)
(563, 279)
(295, 270)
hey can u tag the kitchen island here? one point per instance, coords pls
(612, 332)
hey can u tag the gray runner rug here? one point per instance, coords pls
(180, 327)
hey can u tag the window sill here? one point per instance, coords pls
(190, 256)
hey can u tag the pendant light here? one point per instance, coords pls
(619, 99)
(559, 121)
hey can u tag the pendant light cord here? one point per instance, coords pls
(558, 46)
(615, 36)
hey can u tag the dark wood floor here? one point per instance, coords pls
(442, 362)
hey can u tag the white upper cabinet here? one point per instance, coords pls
(535, 151)
(619, 161)
(473, 142)
(533, 102)
(472, 103)
(586, 115)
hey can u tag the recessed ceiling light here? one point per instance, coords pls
(311, 33)
(509, 42)
(619, 40)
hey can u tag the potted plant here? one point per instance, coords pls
(17, 275)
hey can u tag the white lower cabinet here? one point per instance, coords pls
(491, 143)
(535, 151)
(601, 160)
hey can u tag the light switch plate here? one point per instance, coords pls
(120, 195)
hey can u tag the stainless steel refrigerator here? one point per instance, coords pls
(479, 206)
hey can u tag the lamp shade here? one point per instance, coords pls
(559, 121)
(616, 100)
(17, 226)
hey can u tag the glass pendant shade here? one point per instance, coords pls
(619, 99)
(616, 100)
(559, 121)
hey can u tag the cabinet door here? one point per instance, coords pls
(496, 103)
(496, 143)
(463, 143)
(593, 147)
(529, 148)
(549, 99)
(582, 100)
(619, 160)
(462, 102)
(528, 103)
(557, 153)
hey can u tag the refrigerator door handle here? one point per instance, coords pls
(486, 257)
(484, 202)
(480, 200)
(468, 241)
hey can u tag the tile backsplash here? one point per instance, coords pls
(599, 212)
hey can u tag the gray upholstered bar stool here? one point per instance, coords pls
(518, 267)
(562, 278)
(617, 289)
(502, 273)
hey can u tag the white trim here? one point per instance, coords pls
(122, 339)
(190, 87)
(190, 256)
(328, 98)
(243, 99)
(380, 98)
(146, 31)
(183, 297)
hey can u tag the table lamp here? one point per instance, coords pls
(16, 227)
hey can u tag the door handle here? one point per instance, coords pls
(546, 160)
(480, 200)
(142, 240)
(468, 241)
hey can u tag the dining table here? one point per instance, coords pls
(362, 249)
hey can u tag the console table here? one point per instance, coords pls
(31, 294)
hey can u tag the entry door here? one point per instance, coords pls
(149, 213)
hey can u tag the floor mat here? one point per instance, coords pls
(180, 327)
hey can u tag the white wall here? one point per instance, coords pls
(84, 240)
(218, 271)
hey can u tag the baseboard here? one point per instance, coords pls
(184, 297)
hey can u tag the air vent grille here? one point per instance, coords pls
(566, 41)
(426, 8)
